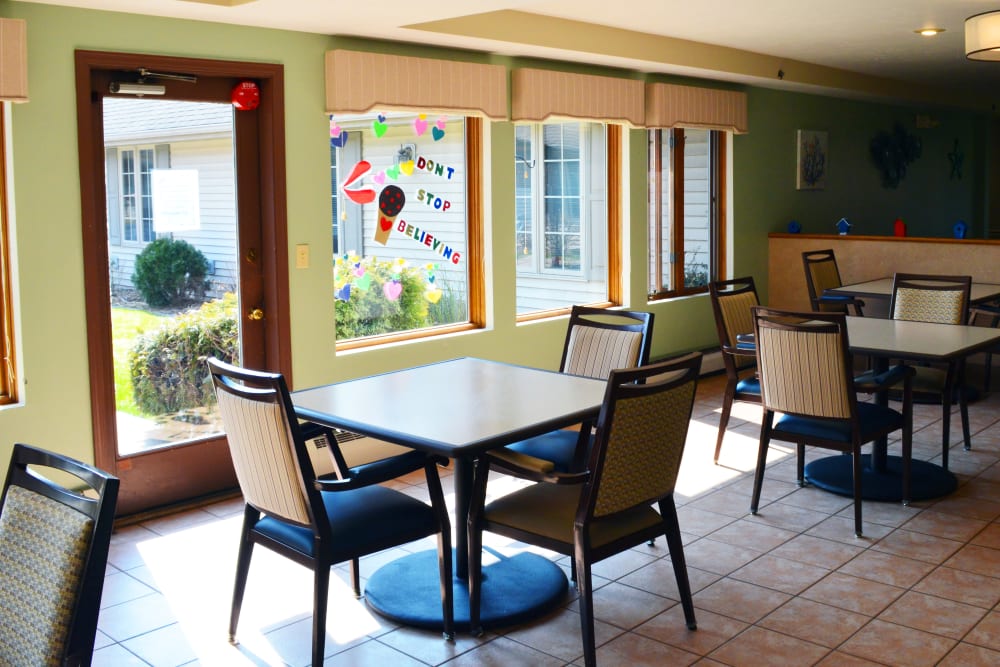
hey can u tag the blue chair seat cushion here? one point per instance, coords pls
(556, 446)
(749, 385)
(362, 521)
(875, 420)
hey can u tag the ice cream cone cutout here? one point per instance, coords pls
(390, 203)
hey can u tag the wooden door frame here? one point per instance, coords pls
(211, 466)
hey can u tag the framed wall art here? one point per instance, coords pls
(810, 160)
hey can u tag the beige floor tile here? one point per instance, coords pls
(891, 644)
(974, 558)
(933, 614)
(713, 630)
(631, 650)
(814, 622)
(718, 557)
(840, 659)
(817, 551)
(560, 635)
(961, 586)
(627, 607)
(854, 594)
(943, 524)
(700, 522)
(659, 578)
(503, 652)
(987, 632)
(988, 537)
(967, 655)
(886, 568)
(787, 576)
(739, 600)
(918, 545)
(759, 646)
(752, 534)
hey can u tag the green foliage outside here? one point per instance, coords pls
(378, 297)
(170, 272)
(126, 325)
(167, 366)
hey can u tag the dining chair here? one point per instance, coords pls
(731, 303)
(809, 395)
(314, 522)
(54, 539)
(598, 340)
(986, 315)
(606, 508)
(822, 274)
(944, 300)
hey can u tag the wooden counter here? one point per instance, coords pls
(863, 258)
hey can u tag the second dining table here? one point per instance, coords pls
(458, 409)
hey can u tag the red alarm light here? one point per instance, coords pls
(246, 96)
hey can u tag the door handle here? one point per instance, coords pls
(256, 314)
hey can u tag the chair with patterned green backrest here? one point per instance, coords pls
(54, 539)
(809, 394)
(607, 508)
(731, 303)
(822, 274)
(598, 340)
(943, 300)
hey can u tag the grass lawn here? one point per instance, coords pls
(126, 325)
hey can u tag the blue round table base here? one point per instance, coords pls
(834, 474)
(515, 590)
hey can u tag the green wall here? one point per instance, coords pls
(55, 412)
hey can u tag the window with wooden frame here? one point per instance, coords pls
(408, 229)
(8, 360)
(686, 205)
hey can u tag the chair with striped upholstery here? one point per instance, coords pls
(807, 380)
(944, 300)
(731, 303)
(598, 340)
(822, 274)
(607, 508)
(54, 539)
(314, 522)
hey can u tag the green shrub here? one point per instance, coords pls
(169, 272)
(168, 365)
(367, 311)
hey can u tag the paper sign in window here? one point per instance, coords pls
(175, 200)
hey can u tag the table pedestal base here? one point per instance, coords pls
(515, 590)
(834, 474)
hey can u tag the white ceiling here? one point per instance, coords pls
(871, 37)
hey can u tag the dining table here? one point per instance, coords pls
(458, 408)
(914, 342)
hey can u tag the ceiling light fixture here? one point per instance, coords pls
(982, 36)
(929, 32)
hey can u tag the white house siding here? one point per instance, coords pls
(541, 291)
(187, 136)
(697, 200)
(448, 226)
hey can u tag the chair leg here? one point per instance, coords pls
(356, 577)
(963, 407)
(321, 589)
(250, 518)
(444, 551)
(758, 477)
(856, 475)
(672, 531)
(583, 585)
(727, 409)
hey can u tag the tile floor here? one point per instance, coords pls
(791, 586)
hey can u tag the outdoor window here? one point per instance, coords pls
(560, 190)
(8, 362)
(686, 210)
(136, 199)
(335, 208)
(405, 214)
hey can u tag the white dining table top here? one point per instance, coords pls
(456, 407)
(917, 341)
(882, 288)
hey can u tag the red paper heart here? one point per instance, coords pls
(384, 223)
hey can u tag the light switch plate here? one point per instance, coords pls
(302, 256)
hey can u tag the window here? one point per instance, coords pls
(561, 221)
(686, 210)
(8, 361)
(334, 206)
(407, 221)
(136, 201)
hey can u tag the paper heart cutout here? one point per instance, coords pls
(339, 141)
(437, 133)
(358, 172)
(419, 126)
(381, 117)
(433, 295)
(407, 167)
(392, 290)
(364, 282)
(344, 293)
(440, 123)
(392, 172)
(379, 177)
(362, 196)
(335, 130)
(430, 279)
(379, 127)
(385, 223)
(358, 270)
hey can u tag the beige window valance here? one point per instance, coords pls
(13, 60)
(540, 94)
(358, 81)
(669, 105)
